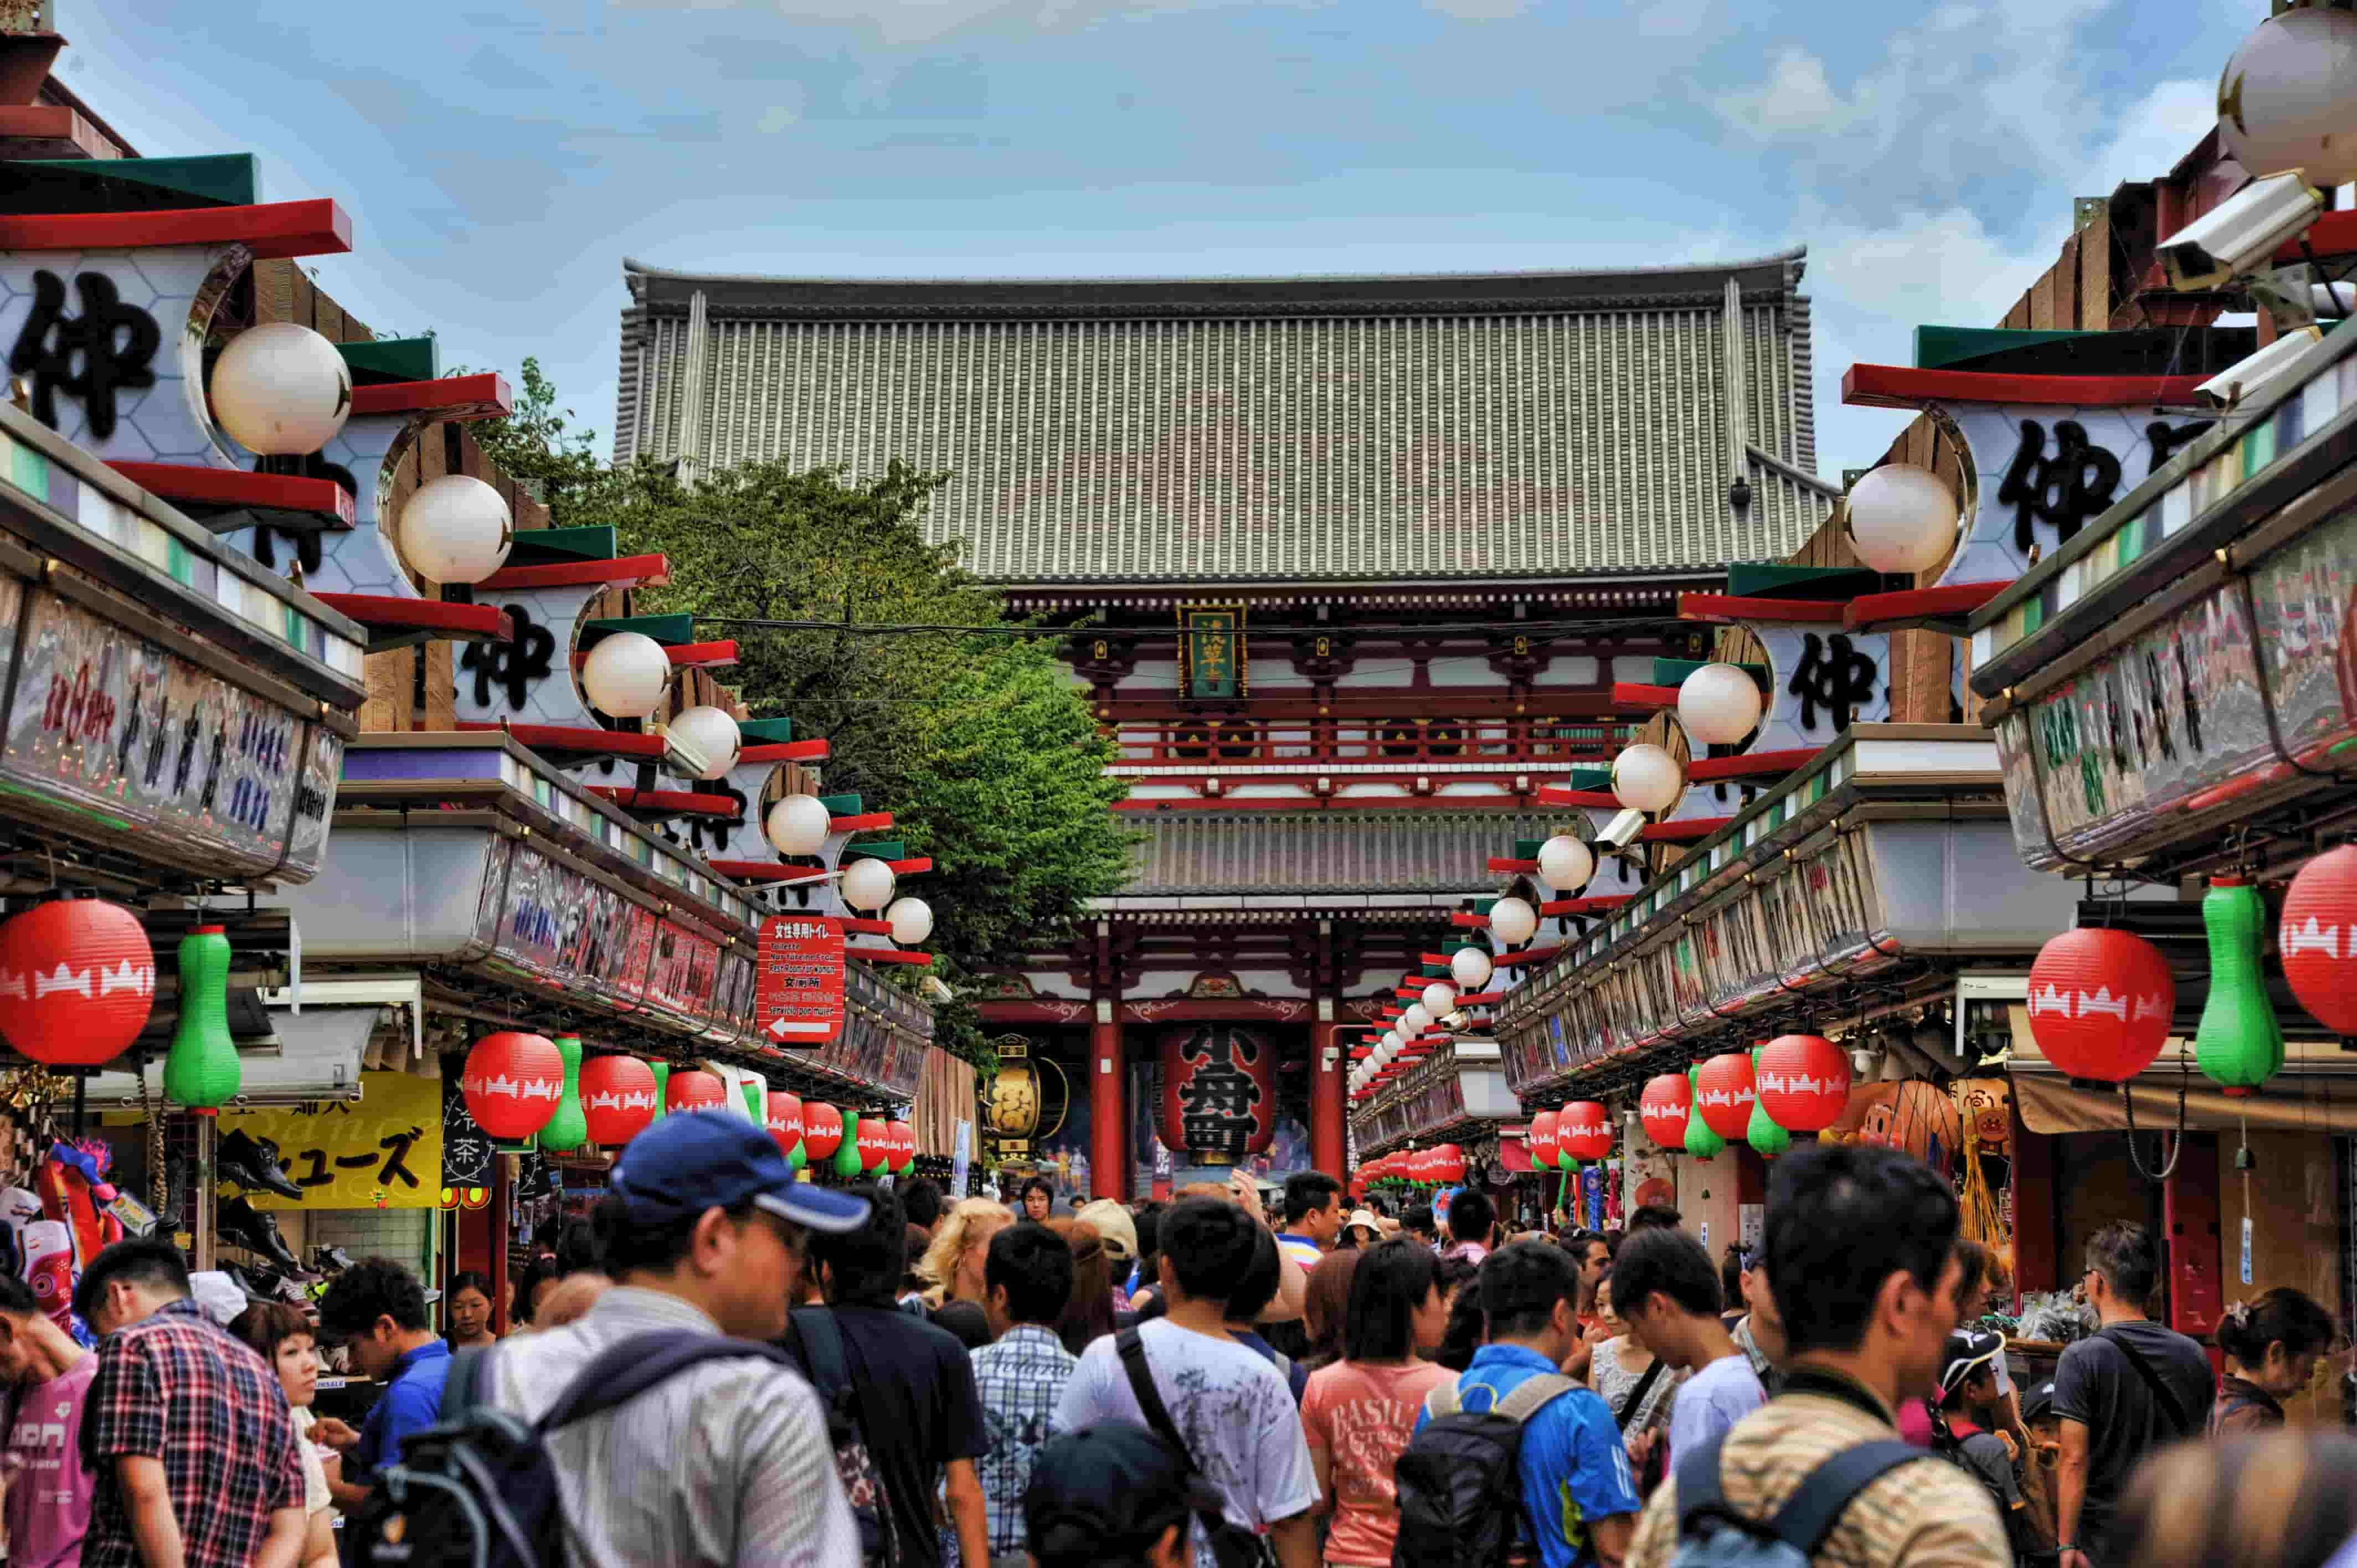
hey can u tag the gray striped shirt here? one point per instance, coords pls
(726, 1465)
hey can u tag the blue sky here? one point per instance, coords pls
(499, 163)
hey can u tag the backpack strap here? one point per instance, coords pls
(2162, 1394)
(1810, 1514)
(470, 1383)
(1443, 1400)
(1131, 1348)
(1636, 1399)
(813, 1334)
(1532, 1395)
(629, 1368)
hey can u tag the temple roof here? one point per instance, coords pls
(1427, 849)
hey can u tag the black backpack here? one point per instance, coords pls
(815, 1341)
(1460, 1480)
(478, 1490)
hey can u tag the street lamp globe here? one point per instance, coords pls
(1646, 778)
(455, 529)
(1718, 704)
(281, 390)
(1414, 1021)
(627, 675)
(798, 825)
(1390, 1044)
(2288, 97)
(867, 884)
(1565, 862)
(1512, 921)
(714, 734)
(1439, 997)
(911, 920)
(1901, 519)
(1471, 967)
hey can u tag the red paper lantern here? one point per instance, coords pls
(695, 1090)
(77, 981)
(1585, 1130)
(821, 1130)
(2100, 1003)
(1666, 1103)
(1726, 1093)
(1448, 1163)
(1543, 1140)
(618, 1097)
(785, 1120)
(2318, 938)
(903, 1144)
(1803, 1082)
(512, 1083)
(875, 1143)
(1219, 1094)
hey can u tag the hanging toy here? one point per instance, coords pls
(2239, 1045)
(201, 1073)
(1767, 1139)
(1702, 1141)
(567, 1127)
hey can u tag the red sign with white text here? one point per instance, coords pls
(798, 995)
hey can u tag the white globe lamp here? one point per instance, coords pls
(798, 825)
(1646, 778)
(1471, 967)
(627, 675)
(911, 920)
(1439, 998)
(1414, 1021)
(713, 733)
(1388, 1044)
(455, 529)
(867, 884)
(1565, 862)
(1901, 519)
(281, 390)
(2288, 97)
(1718, 704)
(1512, 921)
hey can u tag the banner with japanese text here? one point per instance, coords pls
(383, 1153)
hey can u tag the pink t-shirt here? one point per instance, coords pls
(1363, 1416)
(48, 1495)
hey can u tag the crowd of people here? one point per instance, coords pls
(729, 1366)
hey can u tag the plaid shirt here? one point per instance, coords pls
(174, 1387)
(1021, 1379)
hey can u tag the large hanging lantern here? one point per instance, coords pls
(849, 1161)
(627, 675)
(201, 1071)
(1447, 1164)
(281, 390)
(618, 1099)
(1512, 921)
(911, 920)
(1542, 1139)
(874, 1141)
(822, 1128)
(1664, 1107)
(1586, 1130)
(784, 1117)
(2100, 1003)
(455, 529)
(1803, 1081)
(1472, 969)
(2317, 938)
(868, 884)
(1646, 778)
(512, 1083)
(77, 981)
(798, 825)
(2288, 99)
(904, 1148)
(1718, 704)
(1219, 1094)
(712, 734)
(2239, 1045)
(1902, 519)
(1565, 864)
(1703, 1140)
(692, 1089)
(1725, 1094)
(567, 1128)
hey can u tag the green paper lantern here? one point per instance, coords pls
(2239, 1045)
(1701, 1142)
(799, 1159)
(1767, 1139)
(568, 1127)
(662, 1089)
(201, 1071)
(846, 1157)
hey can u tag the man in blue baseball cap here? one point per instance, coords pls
(705, 1230)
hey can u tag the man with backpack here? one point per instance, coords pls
(1513, 1452)
(724, 1463)
(1861, 1255)
(1965, 1429)
(1665, 1290)
(2132, 1387)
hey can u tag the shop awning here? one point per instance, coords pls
(2316, 1092)
(1514, 1154)
(318, 1057)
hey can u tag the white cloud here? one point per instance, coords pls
(902, 22)
(1795, 100)
(1676, 18)
(2151, 136)
(1480, 10)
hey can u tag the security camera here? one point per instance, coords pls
(2246, 380)
(2237, 237)
(1623, 828)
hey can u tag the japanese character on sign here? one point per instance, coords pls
(115, 342)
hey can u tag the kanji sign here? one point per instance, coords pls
(384, 1153)
(798, 995)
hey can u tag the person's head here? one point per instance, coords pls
(1208, 1247)
(1662, 1285)
(1260, 1282)
(2122, 1267)
(1467, 1329)
(1651, 1217)
(281, 1336)
(1418, 1222)
(1759, 1306)
(954, 1264)
(1037, 1196)
(1397, 1308)
(128, 1281)
(33, 1348)
(466, 1306)
(967, 1321)
(577, 1250)
(1528, 1296)
(1363, 1228)
(2286, 1499)
(702, 1206)
(378, 1309)
(1992, 1282)
(1326, 1301)
(920, 1240)
(1087, 1309)
(1730, 1276)
(1313, 1205)
(921, 1202)
(1968, 1364)
(1471, 1217)
(862, 1266)
(2275, 1340)
(1116, 1229)
(539, 1276)
(1590, 1251)
(1861, 1245)
(1029, 1274)
(1109, 1495)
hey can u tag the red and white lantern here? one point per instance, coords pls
(695, 1090)
(821, 1130)
(1542, 1139)
(902, 1144)
(1447, 1164)
(512, 1083)
(1585, 1129)
(2100, 1003)
(618, 1097)
(1803, 1082)
(77, 981)
(2318, 939)
(875, 1143)
(1725, 1094)
(1667, 1102)
(785, 1121)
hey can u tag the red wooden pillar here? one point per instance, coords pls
(1328, 1144)
(502, 1195)
(1108, 1124)
(2196, 1253)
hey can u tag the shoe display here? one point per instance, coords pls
(241, 1224)
(252, 1164)
(331, 1260)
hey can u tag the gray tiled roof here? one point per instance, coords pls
(1436, 851)
(1315, 429)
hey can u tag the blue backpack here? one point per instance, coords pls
(1712, 1534)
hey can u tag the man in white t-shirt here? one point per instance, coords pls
(1665, 1289)
(1232, 1410)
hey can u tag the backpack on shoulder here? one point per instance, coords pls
(815, 1341)
(478, 1490)
(1712, 1534)
(1459, 1480)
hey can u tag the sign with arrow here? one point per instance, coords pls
(798, 995)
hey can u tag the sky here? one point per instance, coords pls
(500, 164)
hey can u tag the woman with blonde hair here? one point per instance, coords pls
(952, 1266)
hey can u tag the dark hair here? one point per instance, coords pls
(966, 1321)
(2124, 1254)
(1418, 1221)
(1730, 1277)
(1651, 1217)
(921, 1202)
(865, 1263)
(1306, 1192)
(578, 1250)
(1393, 1279)
(1671, 1262)
(1379, 1204)
(1578, 1242)
(1208, 1243)
(1842, 1219)
(1327, 1302)
(541, 1271)
(1520, 1285)
(468, 1279)
(17, 1297)
(1064, 1528)
(1035, 1266)
(141, 1261)
(626, 1246)
(268, 1324)
(1042, 1183)
(2282, 1316)
(1257, 1285)
(2287, 1499)
(1468, 1328)
(1147, 1218)
(1471, 1217)
(919, 1243)
(1087, 1314)
(371, 1289)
